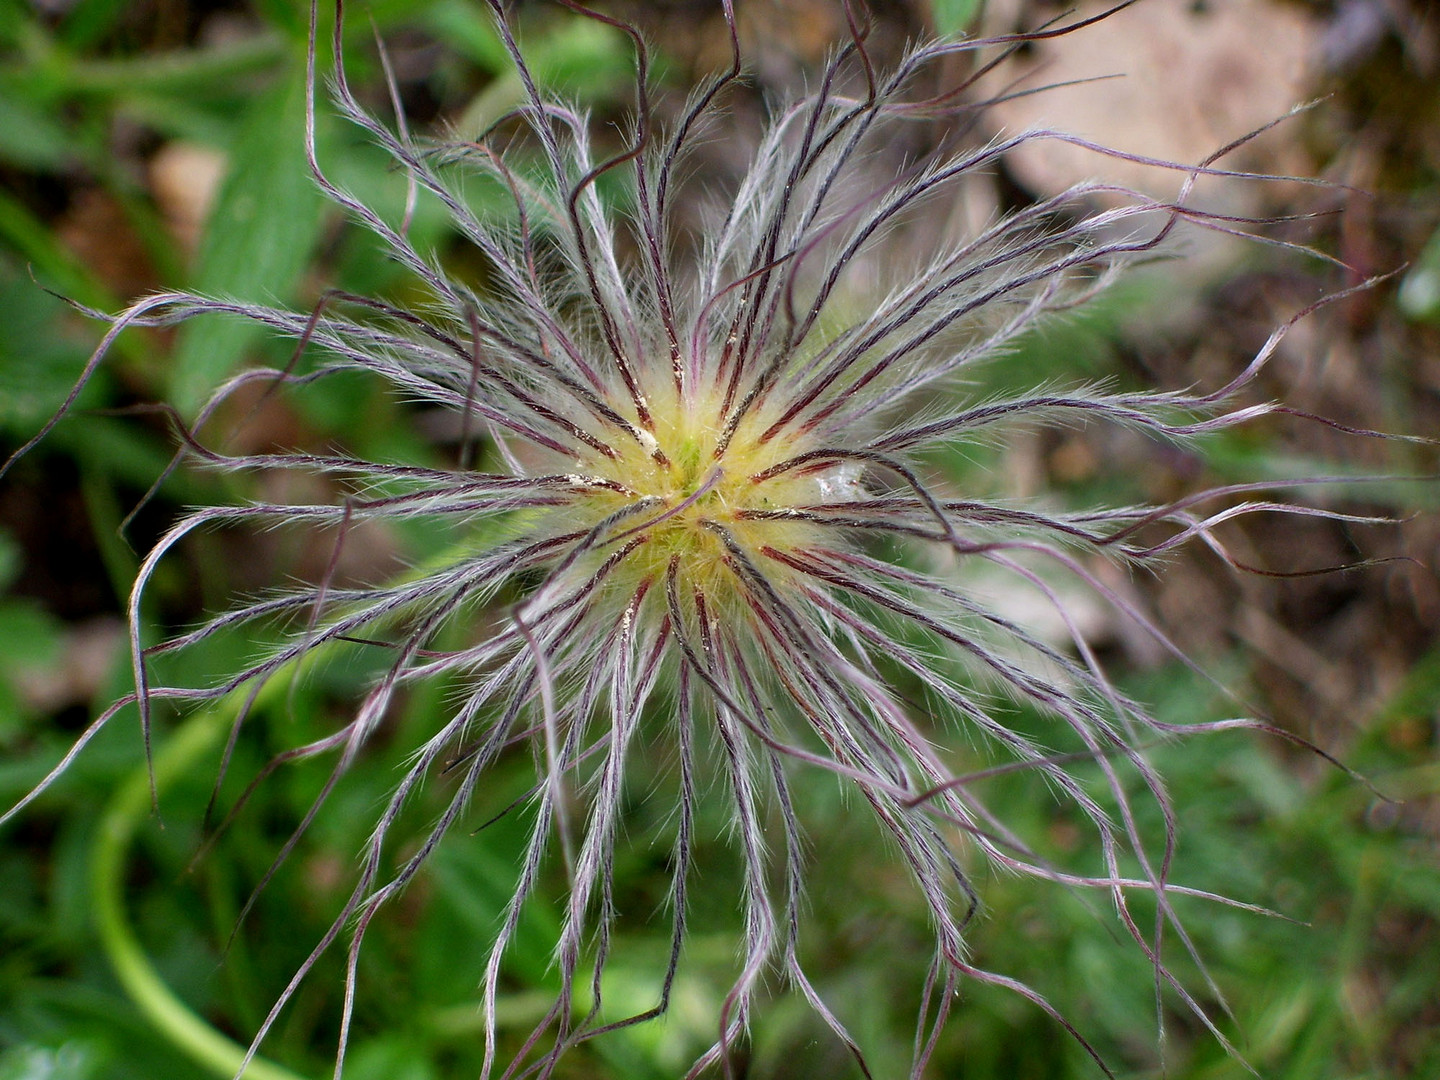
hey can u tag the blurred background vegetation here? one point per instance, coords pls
(157, 144)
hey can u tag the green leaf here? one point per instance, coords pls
(578, 57)
(55, 267)
(29, 635)
(955, 17)
(89, 21)
(471, 32)
(42, 352)
(30, 137)
(391, 1057)
(177, 71)
(260, 237)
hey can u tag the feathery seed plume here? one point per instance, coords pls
(700, 522)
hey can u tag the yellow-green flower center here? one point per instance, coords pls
(695, 496)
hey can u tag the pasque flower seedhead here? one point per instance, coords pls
(702, 516)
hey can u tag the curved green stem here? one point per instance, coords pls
(129, 806)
